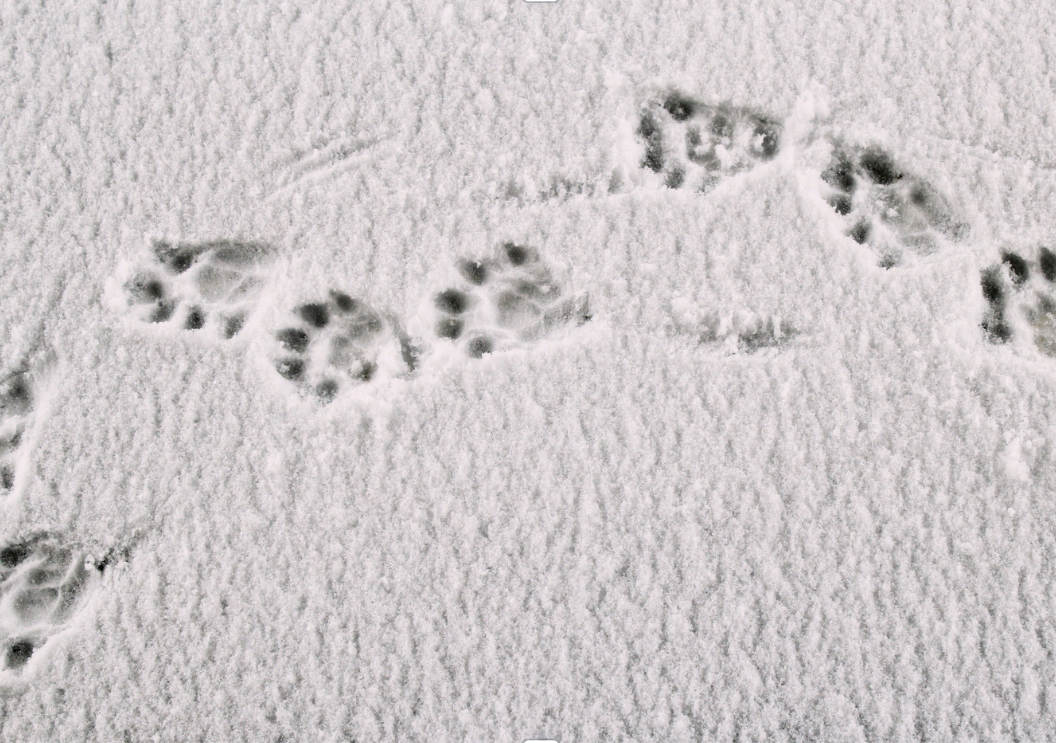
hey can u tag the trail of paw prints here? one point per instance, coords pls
(340, 342)
(44, 584)
(693, 145)
(887, 207)
(509, 300)
(207, 287)
(1020, 293)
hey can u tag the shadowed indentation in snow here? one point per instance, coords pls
(1021, 299)
(885, 206)
(693, 145)
(338, 343)
(44, 582)
(208, 287)
(508, 300)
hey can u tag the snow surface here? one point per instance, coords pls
(635, 529)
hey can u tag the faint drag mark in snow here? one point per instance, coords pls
(208, 288)
(509, 300)
(885, 206)
(332, 344)
(1020, 294)
(23, 403)
(732, 333)
(44, 584)
(324, 162)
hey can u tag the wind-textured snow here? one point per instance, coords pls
(496, 371)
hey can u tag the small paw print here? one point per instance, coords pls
(693, 145)
(506, 301)
(209, 287)
(1020, 294)
(43, 584)
(884, 205)
(328, 345)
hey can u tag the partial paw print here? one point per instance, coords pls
(693, 145)
(886, 206)
(16, 407)
(507, 301)
(340, 342)
(44, 583)
(1020, 292)
(207, 287)
(740, 332)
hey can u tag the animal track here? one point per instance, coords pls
(43, 584)
(693, 145)
(886, 206)
(1021, 299)
(506, 301)
(339, 342)
(208, 287)
(16, 406)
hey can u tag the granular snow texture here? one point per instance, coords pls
(492, 371)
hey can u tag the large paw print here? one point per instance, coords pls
(208, 287)
(693, 145)
(1021, 299)
(43, 584)
(887, 207)
(506, 301)
(337, 343)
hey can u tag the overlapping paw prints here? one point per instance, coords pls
(16, 408)
(693, 145)
(43, 584)
(886, 206)
(207, 287)
(1020, 293)
(340, 342)
(506, 301)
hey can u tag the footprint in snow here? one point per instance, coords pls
(207, 288)
(508, 300)
(884, 205)
(1020, 294)
(44, 584)
(340, 342)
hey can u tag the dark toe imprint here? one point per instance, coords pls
(315, 314)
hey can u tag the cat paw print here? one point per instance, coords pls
(207, 287)
(693, 145)
(885, 206)
(509, 300)
(337, 343)
(43, 585)
(1020, 294)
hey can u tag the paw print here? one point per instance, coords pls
(337, 343)
(16, 407)
(203, 287)
(509, 300)
(693, 145)
(43, 584)
(1020, 294)
(885, 206)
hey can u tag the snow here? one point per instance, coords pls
(769, 490)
